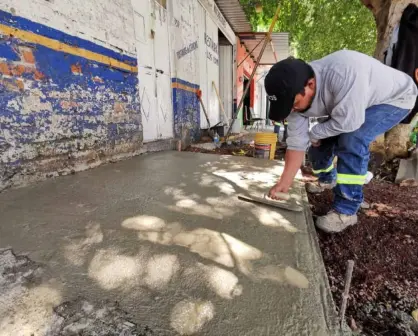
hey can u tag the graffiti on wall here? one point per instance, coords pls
(187, 50)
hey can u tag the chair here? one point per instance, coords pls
(252, 121)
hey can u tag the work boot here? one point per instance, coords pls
(317, 188)
(335, 222)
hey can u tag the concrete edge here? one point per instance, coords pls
(21, 181)
(159, 145)
(329, 307)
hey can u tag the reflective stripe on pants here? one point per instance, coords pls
(326, 170)
(352, 150)
(351, 179)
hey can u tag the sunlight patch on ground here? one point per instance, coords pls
(76, 251)
(163, 236)
(206, 243)
(284, 274)
(179, 194)
(206, 180)
(224, 283)
(25, 306)
(199, 210)
(112, 270)
(218, 247)
(248, 179)
(31, 313)
(242, 253)
(144, 222)
(225, 188)
(189, 316)
(234, 177)
(160, 270)
(186, 203)
(273, 218)
(189, 206)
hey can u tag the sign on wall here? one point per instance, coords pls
(184, 36)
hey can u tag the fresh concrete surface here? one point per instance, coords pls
(165, 235)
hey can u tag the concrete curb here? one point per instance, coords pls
(329, 307)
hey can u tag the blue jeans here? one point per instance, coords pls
(277, 130)
(352, 150)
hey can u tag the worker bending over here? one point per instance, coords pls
(362, 98)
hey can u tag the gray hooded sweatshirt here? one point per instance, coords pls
(347, 83)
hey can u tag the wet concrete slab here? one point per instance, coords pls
(166, 237)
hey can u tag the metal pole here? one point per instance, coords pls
(274, 51)
(266, 40)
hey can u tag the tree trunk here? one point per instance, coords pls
(387, 14)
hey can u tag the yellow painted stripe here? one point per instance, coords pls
(180, 86)
(59, 46)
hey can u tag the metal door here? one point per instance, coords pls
(163, 76)
(143, 23)
(152, 42)
(208, 67)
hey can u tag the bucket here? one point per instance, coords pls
(262, 151)
(265, 145)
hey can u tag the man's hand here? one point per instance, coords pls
(279, 187)
(293, 161)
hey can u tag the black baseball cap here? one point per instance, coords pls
(283, 82)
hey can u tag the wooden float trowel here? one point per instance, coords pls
(286, 202)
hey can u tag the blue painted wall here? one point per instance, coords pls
(59, 111)
(186, 108)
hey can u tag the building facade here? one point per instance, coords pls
(83, 83)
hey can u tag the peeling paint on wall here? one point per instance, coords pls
(186, 108)
(66, 103)
(184, 37)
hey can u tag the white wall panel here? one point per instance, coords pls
(226, 78)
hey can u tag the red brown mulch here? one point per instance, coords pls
(384, 246)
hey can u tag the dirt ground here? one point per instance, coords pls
(235, 149)
(384, 246)
(244, 150)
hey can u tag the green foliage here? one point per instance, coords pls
(318, 27)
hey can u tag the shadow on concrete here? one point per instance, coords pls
(165, 235)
